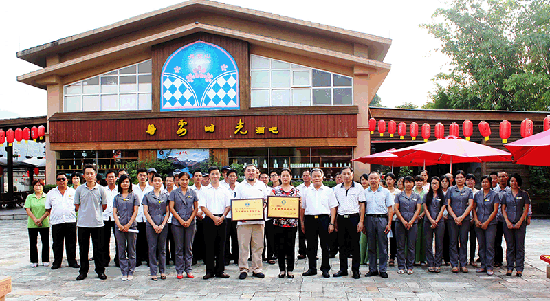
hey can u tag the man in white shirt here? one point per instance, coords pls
(231, 241)
(215, 203)
(251, 233)
(225, 182)
(302, 247)
(111, 190)
(140, 190)
(318, 215)
(198, 242)
(60, 205)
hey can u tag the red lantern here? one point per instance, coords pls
(372, 125)
(36, 171)
(426, 131)
(34, 133)
(392, 126)
(10, 136)
(402, 130)
(414, 130)
(484, 129)
(41, 132)
(454, 130)
(547, 123)
(26, 134)
(467, 129)
(28, 174)
(505, 130)
(439, 130)
(18, 135)
(2, 136)
(381, 127)
(526, 129)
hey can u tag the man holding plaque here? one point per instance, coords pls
(215, 203)
(318, 216)
(351, 215)
(250, 233)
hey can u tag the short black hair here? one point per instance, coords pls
(156, 175)
(409, 179)
(195, 171)
(346, 167)
(140, 170)
(231, 171)
(60, 173)
(391, 175)
(488, 177)
(88, 166)
(470, 176)
(121, 179)
(182, 174)
(110, 171)
(493, 173)
(460, 172)
(212, 168)
(364, 176)
(76, 174)
(418, 178)
(518, 178)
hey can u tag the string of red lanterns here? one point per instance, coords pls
(22, 134)
(505, 129)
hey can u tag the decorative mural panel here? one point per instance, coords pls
(200, 76)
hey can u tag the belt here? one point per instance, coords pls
(377, 215)
(348, 215)
(318, 216)
(217, 215)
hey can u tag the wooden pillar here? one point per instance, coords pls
(5, 288)
(220, 155)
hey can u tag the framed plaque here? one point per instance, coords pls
(247, 209)
(283, 207)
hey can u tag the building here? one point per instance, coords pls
(249, 86)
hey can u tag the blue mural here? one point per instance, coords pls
(200, 76)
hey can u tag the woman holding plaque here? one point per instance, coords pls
(285, 228)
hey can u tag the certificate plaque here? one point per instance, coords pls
(247, 210)
(283, 207)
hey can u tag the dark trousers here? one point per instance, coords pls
(84, 234)
(170, 247)
(393, 242)
(499, 251)
(142, 248)
(406, 245)
(376, 227)
(447, 240)
(214, 239)
(269, 245)
(473, 240)
(302, 249)
(486, 239)
(348, 241)
(33, 240)
(64, 233)
(434, 259)
(316, 227)
(199, 242)
(231, 241)
(108, 227)
(285, 241)
(333, 243)
(515, 247)
(459, 243)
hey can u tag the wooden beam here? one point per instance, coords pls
(230, 143)
(455, 115)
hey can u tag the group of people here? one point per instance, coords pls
(163, 218)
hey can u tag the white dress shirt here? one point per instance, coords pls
(318, 201)
(215, 199)
(247, 191)
(349, 200)
(232, 195)
(140, 218)
(62, 206)
(108, 213)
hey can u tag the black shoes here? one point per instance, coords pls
(383, 274)
(310, 272)
(55, 266)
(74, 265)
(326, 274)
(81, 277)
(102, 276)
(243, 275)
(356, 275)
(222, 275)
(371, 273)
(301, 256)
(208, 276)
(340, 274)
(258, 275)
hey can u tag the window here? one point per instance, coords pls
(124, 89)
(278, 83)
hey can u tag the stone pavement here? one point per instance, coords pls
(42, 283)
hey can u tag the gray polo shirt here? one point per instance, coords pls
(90, 212)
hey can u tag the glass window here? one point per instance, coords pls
(301, 97)
(280, 97)
(90, 103)
(300, 78)
(279, 65)
(343, 96)
(260, 79)
(259, 98)
(321, 96)
(127, 88)
(73, 104)
(280, 79)
(341, 81)
(258, 62)
(320, 78)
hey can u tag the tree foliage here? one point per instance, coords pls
(407, 105)
(500, 54)
(376, 102)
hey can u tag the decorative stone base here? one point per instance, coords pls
(5, 288)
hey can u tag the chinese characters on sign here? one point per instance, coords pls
(181, 130)
(239, 129)
(151, 129)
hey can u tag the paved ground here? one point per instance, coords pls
(45, 284)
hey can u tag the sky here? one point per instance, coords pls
(413, 53)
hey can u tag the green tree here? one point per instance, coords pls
(500, 52)
(407, 105)
(376, 102)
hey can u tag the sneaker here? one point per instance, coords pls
(46, 264)
(34, 265)
(124, 278)
(383, 274)
(130, 277)
(258, 275)
(243, 275)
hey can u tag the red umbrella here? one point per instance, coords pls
(452, 150)
(532, 150)
(387, 158)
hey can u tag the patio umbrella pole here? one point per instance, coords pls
(424, 165)
(451, 164)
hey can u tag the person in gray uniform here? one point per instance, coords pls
(379, 213)
(486, 203)
(407, 208)
(184, 204)
(155, 209)
(125, 209)
(460, 200)
(434, 224)
(515, 206)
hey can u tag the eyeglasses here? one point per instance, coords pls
(62, 179)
